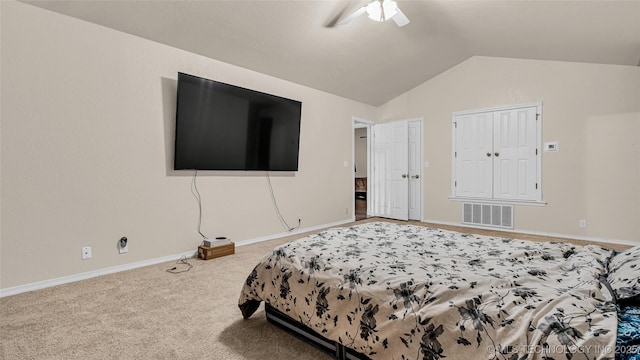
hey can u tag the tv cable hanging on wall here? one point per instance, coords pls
(275, 205)
(196, 194)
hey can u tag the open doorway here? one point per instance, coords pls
(361, 160)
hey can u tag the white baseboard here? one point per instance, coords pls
(289, 233)
(90, 274)
(114, 269)
(539, 233)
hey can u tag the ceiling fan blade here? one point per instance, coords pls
(400, 18)
(350, 18)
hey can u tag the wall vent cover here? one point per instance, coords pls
(492, 215)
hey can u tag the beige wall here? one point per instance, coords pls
(86, 157)
(592, 110)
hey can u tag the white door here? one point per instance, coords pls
(474, 155)
(379, 198)
(390, 170)
(399, 174)
(415, 170)
(496, 154)
(514, 151)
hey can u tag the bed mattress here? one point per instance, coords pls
(398, 291)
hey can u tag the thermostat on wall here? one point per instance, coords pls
(552, 146)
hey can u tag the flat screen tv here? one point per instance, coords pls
(226, 127)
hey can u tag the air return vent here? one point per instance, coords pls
(493, 215)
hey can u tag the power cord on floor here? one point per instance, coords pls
(182, 261)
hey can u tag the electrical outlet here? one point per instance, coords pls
(86, 252)
(582, 223)
(123, 245)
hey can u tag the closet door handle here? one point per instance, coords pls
(497, 154)
(488, 154)
(416, 176)
(404, 176)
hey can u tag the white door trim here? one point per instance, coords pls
(360, 123)
(420, 169)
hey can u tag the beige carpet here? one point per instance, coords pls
(148, 313)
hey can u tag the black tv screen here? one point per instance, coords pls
(226, 127)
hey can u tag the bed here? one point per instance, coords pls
(383, 290)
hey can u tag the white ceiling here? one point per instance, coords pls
(368, 61)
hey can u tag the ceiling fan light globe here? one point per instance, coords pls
(375, 10)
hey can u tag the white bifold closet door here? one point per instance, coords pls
(495, 155)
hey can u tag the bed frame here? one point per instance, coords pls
(306, 333)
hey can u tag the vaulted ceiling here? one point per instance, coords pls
(367, 61)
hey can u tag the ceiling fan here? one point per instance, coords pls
(379, 10)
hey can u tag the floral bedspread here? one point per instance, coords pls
(398, 291)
